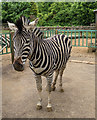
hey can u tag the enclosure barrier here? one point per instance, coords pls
(5, 43)
(79, 38)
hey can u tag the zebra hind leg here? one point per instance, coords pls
(49, 82)
(60, 83)
(39, 88)
(55, 79)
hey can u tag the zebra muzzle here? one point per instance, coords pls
(17, 64)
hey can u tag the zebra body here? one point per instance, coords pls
(45, 55)
(50, 54)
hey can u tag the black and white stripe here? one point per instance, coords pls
(22, 45)
(4, 40)
(50, 54)
(45, 55)
(37, 33)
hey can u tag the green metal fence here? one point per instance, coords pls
(5, 43)
(79, 38)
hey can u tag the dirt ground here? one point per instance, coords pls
(19, 93)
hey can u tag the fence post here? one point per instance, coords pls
(95, 44)
(12, 47)
(56, 32)
(96, 23)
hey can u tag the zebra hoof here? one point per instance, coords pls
(61, 90)
(49, 109)
(39, 107)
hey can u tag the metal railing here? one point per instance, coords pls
(79, 38)
(5, 43)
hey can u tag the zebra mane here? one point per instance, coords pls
(22, 21)
(38, 33)
(25, 21)
(19, 24)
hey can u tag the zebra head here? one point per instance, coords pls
(22, 41)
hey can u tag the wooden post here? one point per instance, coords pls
(56, 32)
(81, 33)
(96, 23)
(12, 47)
(93, 44)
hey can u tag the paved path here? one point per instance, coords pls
(20, 94)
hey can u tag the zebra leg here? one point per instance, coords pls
(39, 88)
(55, 79)
(60, 83)
(49, 82)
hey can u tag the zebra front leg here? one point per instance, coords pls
(49, 82)
(39, 88)
(55, 79)
(39, 105)
(60, 84)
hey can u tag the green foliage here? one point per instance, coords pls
(13, 10)
(64, 14)
(51, 13)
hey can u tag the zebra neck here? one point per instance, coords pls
(38, 33)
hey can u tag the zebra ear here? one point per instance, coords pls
(12, 26)
(33, 23)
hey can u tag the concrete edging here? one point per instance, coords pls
(85, 62)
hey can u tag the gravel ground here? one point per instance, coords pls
(20, 96)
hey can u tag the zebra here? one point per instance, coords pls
(46, 56)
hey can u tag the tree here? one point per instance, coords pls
(11, 11)
(51, 13)
(66, 13)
